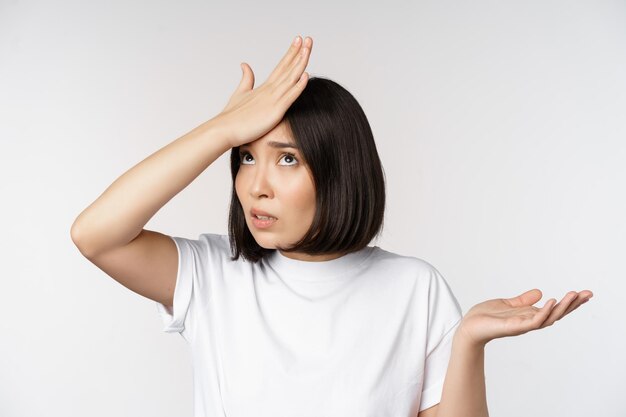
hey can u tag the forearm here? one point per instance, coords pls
(464, 393)
(119, 214)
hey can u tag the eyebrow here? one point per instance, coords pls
(278, 145)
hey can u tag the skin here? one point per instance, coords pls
(252, 112)
(271, 180)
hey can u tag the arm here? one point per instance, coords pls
(118, 216)
(110, 232)
(122, 210)
(463, 393)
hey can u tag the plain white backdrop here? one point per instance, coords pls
(500, 124)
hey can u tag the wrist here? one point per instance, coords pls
(216, 130)
(465, 340)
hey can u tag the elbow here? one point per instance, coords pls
(75, 232)
(78, 239)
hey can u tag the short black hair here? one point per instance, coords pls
(336, 141)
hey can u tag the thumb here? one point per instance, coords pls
(247, 78)
(526, 299)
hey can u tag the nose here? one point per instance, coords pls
(261, 184)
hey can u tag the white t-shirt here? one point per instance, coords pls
(367, 334)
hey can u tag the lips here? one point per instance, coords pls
(260, 223)
(254, 212)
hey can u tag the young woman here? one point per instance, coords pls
(292, 313)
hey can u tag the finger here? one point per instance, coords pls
(577, 303)
(540, 315)
(575, 306)
(294, 74)
(292, 94)
(528, 298)
(291, 54)
(559, 309)
(537, 317)
(299, 65)
(247, 78)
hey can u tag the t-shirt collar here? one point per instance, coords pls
(342, 267)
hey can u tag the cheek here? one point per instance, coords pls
(301, 196)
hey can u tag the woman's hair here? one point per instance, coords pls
(336, 141)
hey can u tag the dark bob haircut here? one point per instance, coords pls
(336, 141)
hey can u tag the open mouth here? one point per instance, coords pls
(263, 221)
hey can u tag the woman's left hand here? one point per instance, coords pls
(504, 317)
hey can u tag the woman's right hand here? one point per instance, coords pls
(251, 113)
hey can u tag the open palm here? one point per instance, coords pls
(504, 317)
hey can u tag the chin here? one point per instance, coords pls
(264, 242)
(265, 246)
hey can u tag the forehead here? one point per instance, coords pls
(279, 137)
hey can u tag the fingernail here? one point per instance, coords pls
(296, 40)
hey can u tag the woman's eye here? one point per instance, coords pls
(243, 156)
(291, 157)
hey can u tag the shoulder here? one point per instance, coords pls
(215, 240)
(420, 275)
(208, 247)
(427, 286)
(406, 265)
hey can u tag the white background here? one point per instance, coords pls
(500, 124)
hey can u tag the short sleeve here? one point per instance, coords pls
(192, 261)
(444, 318)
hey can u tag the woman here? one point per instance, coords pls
(292, 313)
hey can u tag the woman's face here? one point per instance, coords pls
(270, 179)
